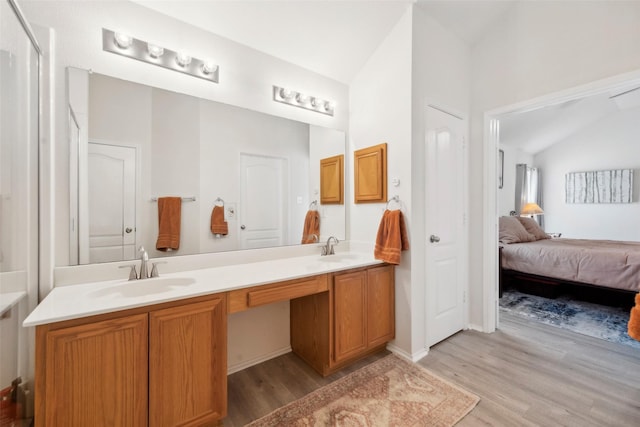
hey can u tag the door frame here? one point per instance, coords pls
(464, 247)
(490, 177)
(83, 197)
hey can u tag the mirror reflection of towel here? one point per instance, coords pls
(392, 237)
(169, 212)
(311, 229)
(218, 224)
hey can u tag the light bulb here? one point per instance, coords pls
(155, 51)
(123, 41)
(208, 67)
(329, 106)
(317, 103)
(182, 59)
(285, 94)
(302, 98)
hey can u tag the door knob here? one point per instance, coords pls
(128, 230)
(434, 238)
(242, 227)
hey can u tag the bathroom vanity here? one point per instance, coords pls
(157, 355)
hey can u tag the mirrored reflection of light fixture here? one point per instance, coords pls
(123, 41)
(182, 59)
(299, 99)
(124, 45)
(155, 51)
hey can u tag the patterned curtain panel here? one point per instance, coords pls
(612, 186)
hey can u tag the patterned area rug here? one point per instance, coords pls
(598, 321)
(388, 392)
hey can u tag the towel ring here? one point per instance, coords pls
(218, 199)
(393, 199)
(312, 204)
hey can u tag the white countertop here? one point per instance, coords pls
(76, 301)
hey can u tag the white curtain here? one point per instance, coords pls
(528, 189)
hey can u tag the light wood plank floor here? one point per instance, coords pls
(526, 374)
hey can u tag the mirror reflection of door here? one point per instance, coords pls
(74, 146)
(263, 206)
(112, 200)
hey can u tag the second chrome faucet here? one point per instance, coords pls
(328, 248)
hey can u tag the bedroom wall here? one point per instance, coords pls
(538, 48)
(507, 194)
(611, 143)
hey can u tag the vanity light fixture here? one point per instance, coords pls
(125, 45)
(299, 99)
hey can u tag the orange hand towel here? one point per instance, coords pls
(392, 237)
(169, 212)
(311, 229)
(634, 320)
(218, 224)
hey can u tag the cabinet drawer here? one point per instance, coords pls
(243, 299)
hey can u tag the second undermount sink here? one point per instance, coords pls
(136, 288)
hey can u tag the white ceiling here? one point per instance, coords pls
(332, 38)
(534, 131)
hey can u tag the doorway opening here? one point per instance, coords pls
(496, 123)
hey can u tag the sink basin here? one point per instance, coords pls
(137, 288)
(338, 258)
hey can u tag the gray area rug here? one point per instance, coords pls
(598, 321)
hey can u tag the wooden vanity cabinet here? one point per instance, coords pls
(163, 365)
(355, 318)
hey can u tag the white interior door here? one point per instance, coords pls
(262, 203)
(446, 262)
(112, 199)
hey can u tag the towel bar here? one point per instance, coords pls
(184, 199)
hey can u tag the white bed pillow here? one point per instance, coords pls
(512, 231)
(533, 228)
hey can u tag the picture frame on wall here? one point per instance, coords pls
(500, 169)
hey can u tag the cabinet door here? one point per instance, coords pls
(187, 364)
(96, 374)
(349, 298)
(380, 305)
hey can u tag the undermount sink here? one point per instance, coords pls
(338, 257)
(136, 288)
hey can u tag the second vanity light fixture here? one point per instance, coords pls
(299, 99)
(125, 45)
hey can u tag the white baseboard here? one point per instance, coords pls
(475, 327)
(262, 358)
(403, 354)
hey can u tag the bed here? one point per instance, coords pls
(547, 266)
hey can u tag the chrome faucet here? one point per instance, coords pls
(144, 269)
(328, 248)
(144, 259)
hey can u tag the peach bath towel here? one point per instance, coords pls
(311, 229)
(392, 237)
(169, 212)
(634, 320)
(218, 224)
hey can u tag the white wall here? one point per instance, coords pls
(380, 100)
(507, 194)
(610, 143)
(440, 77)
(539, 48)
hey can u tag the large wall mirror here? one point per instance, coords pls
(131, 144)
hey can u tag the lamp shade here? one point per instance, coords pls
(531, 209)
